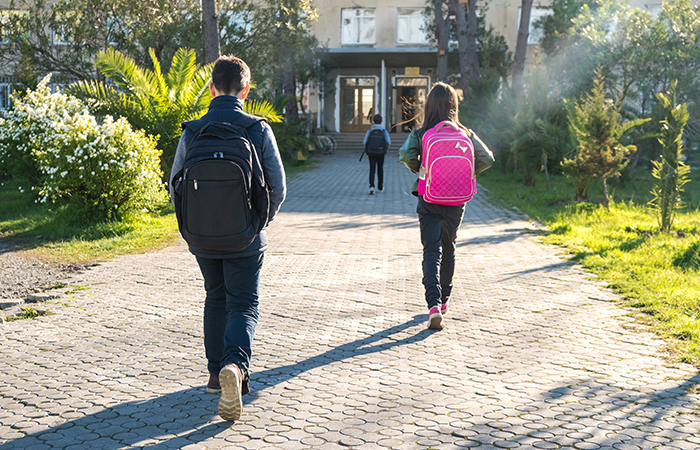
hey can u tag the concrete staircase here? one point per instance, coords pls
(353, 141)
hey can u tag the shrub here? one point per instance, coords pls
(670, 171)
(103, 170)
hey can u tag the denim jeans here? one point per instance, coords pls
(438, 234)
(230, 309)
(376, 162)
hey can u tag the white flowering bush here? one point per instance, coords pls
(104, 169)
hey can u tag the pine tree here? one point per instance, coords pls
(595, 123)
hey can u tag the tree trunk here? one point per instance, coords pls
(210, 22)
(286, 68)
(443, 36)
(606, 196)
(521, 44)
(466, 37)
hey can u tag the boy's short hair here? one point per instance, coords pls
(377, 119)
(230, 74)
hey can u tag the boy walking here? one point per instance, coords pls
(376, 143)
(231, 278)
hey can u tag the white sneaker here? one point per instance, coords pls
(371, 191)
(381, 190)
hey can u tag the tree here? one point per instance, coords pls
(556, 26)
(466, 20)
(443, 26)
(596, 124)
(670, 171)
(155, 102)
(521, 43)
(210, 22)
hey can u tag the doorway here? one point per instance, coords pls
(356, 104)
(410, 95)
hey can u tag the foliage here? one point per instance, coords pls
(102, 170)
(52, 232)
(291, 136)
(599, 133)
(621, 246)
(555, 26)
(151, 100)
(689, 258)
(670, 171)
(533, 129)
(641, 54)
(28, 313)
(83, 28)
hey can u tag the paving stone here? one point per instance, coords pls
(535, 354)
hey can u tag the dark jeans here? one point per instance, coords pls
(438, 234)
(230, 309)
(378, 163)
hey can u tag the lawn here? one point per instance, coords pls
(51, 233)
(657, 274)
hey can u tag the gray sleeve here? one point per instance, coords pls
(364, 141)
(274, 170)
(386, 135)
(178, 162)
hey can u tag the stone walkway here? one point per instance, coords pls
(535, 354)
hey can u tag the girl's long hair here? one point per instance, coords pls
(442, 104)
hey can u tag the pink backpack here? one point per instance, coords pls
(446, 174)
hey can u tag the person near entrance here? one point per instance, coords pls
(231, 276)
(376, 142)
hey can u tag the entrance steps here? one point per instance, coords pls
(353, 141)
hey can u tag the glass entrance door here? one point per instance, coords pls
(410, 95)
(356, 104)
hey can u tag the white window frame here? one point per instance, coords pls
(356, 15)
(411, 18)
(5, 89)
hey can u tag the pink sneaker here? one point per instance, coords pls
(444, 306)
(435, 319)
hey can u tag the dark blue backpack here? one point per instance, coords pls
(221, 198)
(376, 143)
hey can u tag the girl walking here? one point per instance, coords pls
(439, 222)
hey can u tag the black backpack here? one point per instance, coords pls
(221, 198)
(376, 144)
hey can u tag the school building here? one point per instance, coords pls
(382, 60)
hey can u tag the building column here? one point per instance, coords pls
(384, 93)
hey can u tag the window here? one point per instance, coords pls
(64, 24)
(535, 34)
(358, 26)
(5, 26)
(411, 26)
(4, 32)
(5, 89)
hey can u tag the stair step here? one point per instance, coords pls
(353, 141)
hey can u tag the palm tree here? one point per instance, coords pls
(155, 102)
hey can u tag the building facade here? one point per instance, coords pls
(381, 60)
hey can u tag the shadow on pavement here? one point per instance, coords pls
(182, 418)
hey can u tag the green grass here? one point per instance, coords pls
(52, 233)
(654, 272)
(28, 313)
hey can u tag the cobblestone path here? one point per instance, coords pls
(535, 354)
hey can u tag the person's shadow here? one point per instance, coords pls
(190, 415)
